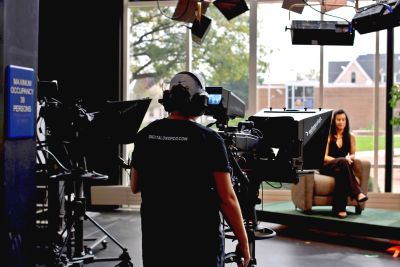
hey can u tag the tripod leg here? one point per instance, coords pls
(79, 215)
(105, 232)
(252, 247)
(124, 257)
(79, 249)
(66, 241)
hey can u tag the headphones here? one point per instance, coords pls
(186, 94)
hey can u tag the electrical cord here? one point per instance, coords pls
(324, 13)
(55, 158)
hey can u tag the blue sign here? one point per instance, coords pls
(21, 102)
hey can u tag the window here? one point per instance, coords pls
(223, 57)
(300, 96)
(353, 77)
(383, 78)
(288, 66)
(287, 75)
(158, 49)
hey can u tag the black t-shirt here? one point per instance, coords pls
(175, 160)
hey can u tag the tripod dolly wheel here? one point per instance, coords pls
(104, 244)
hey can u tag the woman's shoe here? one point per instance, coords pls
(363, 199)
(341, 214)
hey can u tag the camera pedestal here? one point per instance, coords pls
(254, 232)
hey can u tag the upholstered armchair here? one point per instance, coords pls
(314, 189)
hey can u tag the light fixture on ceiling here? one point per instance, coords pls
(376, 17)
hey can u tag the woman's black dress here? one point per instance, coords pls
(345, 180)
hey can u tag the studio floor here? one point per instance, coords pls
(291, 247)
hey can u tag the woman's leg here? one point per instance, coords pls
(353, 187)
(337, 168)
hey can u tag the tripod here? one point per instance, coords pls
(72, 251)
(118, 122)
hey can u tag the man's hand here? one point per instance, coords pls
(243, 256)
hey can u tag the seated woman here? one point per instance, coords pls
(339, 156)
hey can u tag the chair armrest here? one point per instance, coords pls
(362, 170)
(303, 192)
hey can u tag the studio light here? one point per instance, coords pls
(231, 8)
(189, 10)
(293, 5)
(193, 11)
(328, 5)
(376, 17)
(200, 28)
(309, 32)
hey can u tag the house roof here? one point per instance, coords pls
(355, 64)
(367, 62)
(335, 68)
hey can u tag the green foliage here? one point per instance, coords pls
(157, 44)
(394, 98)
(366, 143)
(224, 54)
(158, 49)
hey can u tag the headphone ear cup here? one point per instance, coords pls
(166, 100)
(175, 99)
(198, 105)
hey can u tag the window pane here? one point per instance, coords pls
(297, 65)
(223, 56)
(156, 52)
(298, 92)
(309, 91)
(396, 129)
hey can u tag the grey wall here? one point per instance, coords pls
(18, 46)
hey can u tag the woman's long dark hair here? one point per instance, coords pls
(346, 131)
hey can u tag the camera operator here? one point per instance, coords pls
(185, 164)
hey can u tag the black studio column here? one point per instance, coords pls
(80, 46)
(18, 59)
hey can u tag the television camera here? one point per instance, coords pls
(273, 145)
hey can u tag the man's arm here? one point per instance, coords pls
(134, 181)
(231, 210)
